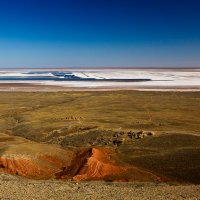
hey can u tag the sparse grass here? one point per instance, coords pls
(44, 112)
(175, 156)
(81, 116)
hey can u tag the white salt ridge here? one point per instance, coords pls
(21, 74)
(161, 78)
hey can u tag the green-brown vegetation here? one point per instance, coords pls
(41, 113)
(155, 131)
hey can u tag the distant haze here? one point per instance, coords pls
(99, 33)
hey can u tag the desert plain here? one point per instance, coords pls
(100, 144)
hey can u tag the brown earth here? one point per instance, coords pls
(32, 160)
(42, 161)
(138, 162)
(101, 165)
(15, 187)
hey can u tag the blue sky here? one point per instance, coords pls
(94, 33)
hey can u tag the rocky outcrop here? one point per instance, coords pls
(101, 137)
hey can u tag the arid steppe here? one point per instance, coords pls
(95, 142)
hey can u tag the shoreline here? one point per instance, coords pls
(35, 87)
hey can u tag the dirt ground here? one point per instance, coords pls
(13, 187)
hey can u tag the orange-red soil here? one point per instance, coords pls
(76, 164)
(24, 167)
(99, 165)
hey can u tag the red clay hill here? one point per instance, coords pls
(43, 161)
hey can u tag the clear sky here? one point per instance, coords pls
(94, 33)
